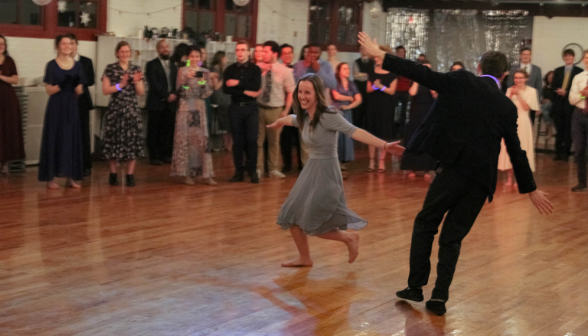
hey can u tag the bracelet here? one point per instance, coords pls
(375, 87)
(118, 87)
(383, 88)
(384, 148)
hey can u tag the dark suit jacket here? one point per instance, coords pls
(561, 103)
(466, 124)
(158, 88)
(88, 69)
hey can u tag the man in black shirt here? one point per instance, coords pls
(242, 82)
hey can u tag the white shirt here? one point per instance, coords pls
(282, 83)
(77, 57)
(578, 84)
(527, 68)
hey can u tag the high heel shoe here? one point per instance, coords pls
(113, 179)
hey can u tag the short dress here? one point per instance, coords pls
(123, 128)
(317, 203)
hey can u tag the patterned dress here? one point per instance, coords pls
(192, 154)
(123, 129)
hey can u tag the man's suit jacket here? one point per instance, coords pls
(466, 124)
(88, 70)
(158, 86)
(561, 103)
(535, 79)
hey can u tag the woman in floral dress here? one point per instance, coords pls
(192, 154)
(123, 128)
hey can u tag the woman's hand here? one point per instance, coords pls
(125, 80)
(191, 74)
(514, 91)
(137, 77)
(370, 46)
(394, 148)
(276, 125)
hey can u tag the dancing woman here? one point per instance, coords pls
(316, 205)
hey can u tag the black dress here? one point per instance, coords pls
(381, 108)
(419, 108)
(61, 145)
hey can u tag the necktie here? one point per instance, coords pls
(585, 109)
(566, 80)
(267, 89)
(167, 74)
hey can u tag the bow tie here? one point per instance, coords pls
(290, 66)
(242, 65)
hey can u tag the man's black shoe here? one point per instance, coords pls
(156, 163)
(87, 172)
(411, 294)
(579, 187)
(254, 177)
(286, 169)
(237, 178)
(437, 307)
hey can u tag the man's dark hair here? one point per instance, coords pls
(569, 52)
(72, 37)
(400, 47)
(493, 63)
(275, 47)
(525, 49)
(284, 46)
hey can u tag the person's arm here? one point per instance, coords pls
(370, 87)
(230, 90)
(253, 82)
(413, 89)
(392, 89)
(155, 86)
(340, 97)
(288, 106)
(575, 95)
(10, 79)
(52, 89)
(327, 75)
(522, 101)
(356, 103)
(138, 82)
(360, 76)
(108, 88)
(284, 121)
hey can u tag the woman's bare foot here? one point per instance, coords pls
(71, 183)
(188, 181)
(353, 246)
(300, 262)
(211, 182)
(411, 175)
(52, 185)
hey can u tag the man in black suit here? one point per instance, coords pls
(561, 109)
(463, 131)
(85, 103)
(161, 103)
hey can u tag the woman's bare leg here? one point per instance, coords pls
(382, 164)
(131, 167)
(372, 152)
(350, 239)
(112, 165)
(509, 178)
(302, 245)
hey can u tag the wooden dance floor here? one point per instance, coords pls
(168, 259)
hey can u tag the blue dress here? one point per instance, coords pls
(61, 144)
(345, 143)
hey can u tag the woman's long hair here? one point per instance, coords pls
(338, 72)
(546, 79)
(217, 61)
(321, 101)
(180, 51)
(302, 52)
(5, 45)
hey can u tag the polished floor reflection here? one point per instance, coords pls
(168, 259)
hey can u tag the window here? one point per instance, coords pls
(78, 14)
(335, 22)
(23, 18)
(20, 12)
(221, 17)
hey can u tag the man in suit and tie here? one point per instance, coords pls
(85, 103)
(535, 79)
(561, 109)
(463, 131)
(161, 105)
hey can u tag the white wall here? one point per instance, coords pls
(288, 25)
(550, 36)
(128, 25)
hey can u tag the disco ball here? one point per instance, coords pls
(241, 2)
(376, 9)
(42, 2)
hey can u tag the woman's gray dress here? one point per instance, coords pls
(317, 201)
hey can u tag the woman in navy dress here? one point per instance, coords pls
(381, 87)
(345, 98)
(420, 105)
(61, 145)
